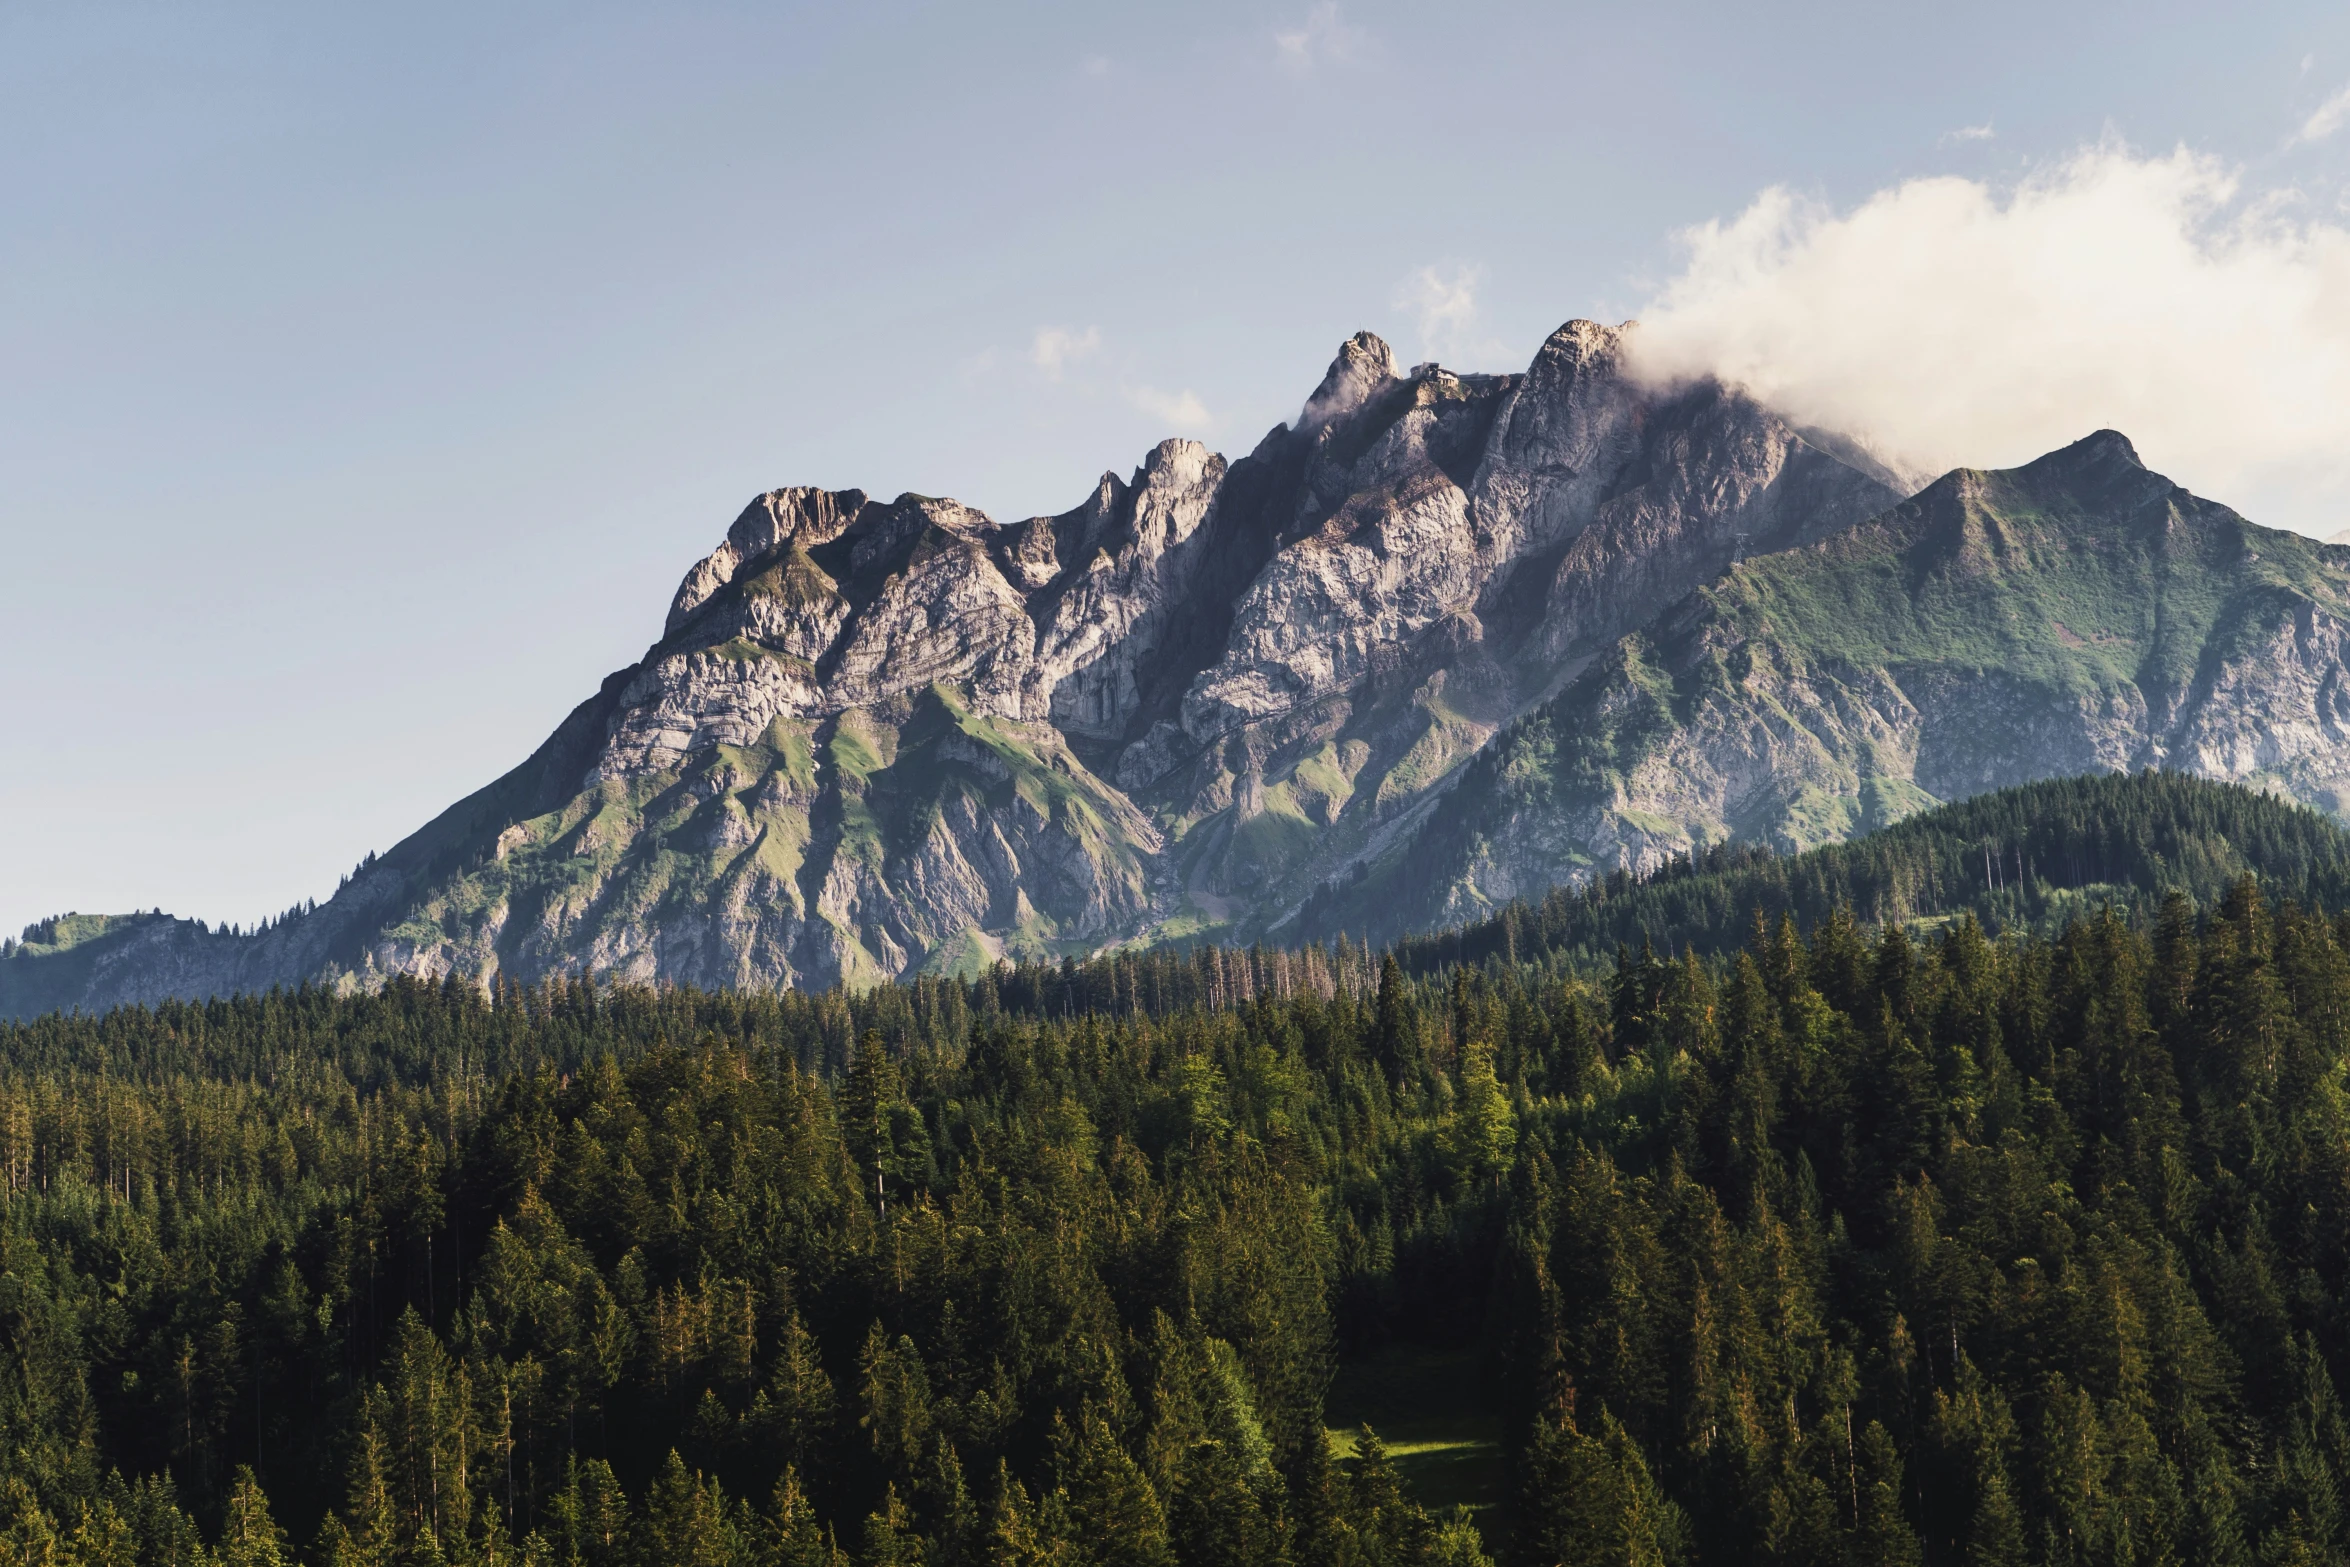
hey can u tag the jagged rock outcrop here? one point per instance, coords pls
(1260, 697)
(1456, 545)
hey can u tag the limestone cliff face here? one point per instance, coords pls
(1440, 641)
(1452, 548)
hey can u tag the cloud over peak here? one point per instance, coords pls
(1952, 324)
(1442, 301)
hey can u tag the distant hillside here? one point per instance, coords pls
(68, 962)
(2023, 858)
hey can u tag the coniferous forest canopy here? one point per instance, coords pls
(2018, 1234)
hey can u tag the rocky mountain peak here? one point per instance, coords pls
(2077, 614)
(1364, 365)
(2098, 476)
(802, 516)
(1174, 463)
(2110, 445)
(1587, 344)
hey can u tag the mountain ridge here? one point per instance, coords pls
(1305, 689)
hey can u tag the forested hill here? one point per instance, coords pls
(2026, 858)
(1849, 1248)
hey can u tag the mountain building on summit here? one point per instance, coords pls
(1444, 641)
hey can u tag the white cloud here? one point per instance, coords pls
(1185, 412)
(978, 367)
(1096, 65)
(1443, 304)
(1324, 37)
(1057, 347)
(1951, 324)
(2330, 117)
(1982, 132)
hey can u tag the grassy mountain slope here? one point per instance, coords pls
(730, 866)
(738, 867)
(2079, 614)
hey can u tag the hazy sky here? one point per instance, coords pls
(369, 375)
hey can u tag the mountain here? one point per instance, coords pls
(879, 736)
(2076, 615)
(1438, 643)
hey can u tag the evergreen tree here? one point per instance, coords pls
(1390, 1527)
(1589, 1500)
(250, 1537)
(687, 1521)
(1111, 1514)
(1015, 1536)
(1218, 1519)
(788, 1535)
(1395, 1025)
(890, 1539)
(1883, 1537)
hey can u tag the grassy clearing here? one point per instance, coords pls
(1429, 1408)
(1886, 799)
(968, 952)
(795, 580)
(1445, 741)
(1325, 780)
(1278, 836)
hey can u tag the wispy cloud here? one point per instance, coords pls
(1982, 132)
(1322, 38)
(1950, 322)
(1058, 347)
(2330, 117)
(1442, 301)
(1185, 412)
(1096, 65)
(977, 367)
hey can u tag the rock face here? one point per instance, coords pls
(878, 737)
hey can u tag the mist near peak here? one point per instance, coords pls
(1944, 322)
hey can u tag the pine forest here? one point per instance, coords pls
(1992, 1211)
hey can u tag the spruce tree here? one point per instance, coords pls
(1110, 1513)
(250, 1537)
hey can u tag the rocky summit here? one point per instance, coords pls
(1440, 642)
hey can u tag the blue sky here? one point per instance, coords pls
(368, 376)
